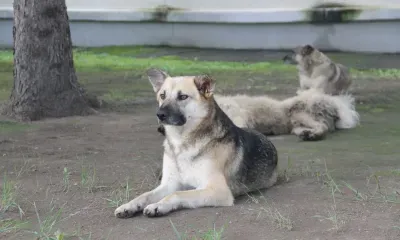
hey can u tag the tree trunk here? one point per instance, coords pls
(45, 83)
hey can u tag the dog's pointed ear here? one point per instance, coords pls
(205, 84)
(156, 78)
(306, 50)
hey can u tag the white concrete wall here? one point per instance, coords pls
(210, 4)
(261, 24)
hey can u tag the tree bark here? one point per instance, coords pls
(45, 83)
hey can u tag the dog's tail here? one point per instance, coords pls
(348, 116)
(342, 107)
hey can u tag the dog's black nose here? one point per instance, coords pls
(161, 114)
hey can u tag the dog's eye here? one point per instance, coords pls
(162, 96)
(182, 97)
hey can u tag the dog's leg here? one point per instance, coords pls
(161, 130)
(159, 173)
(307, 128)
(169, 184)
(217, 194)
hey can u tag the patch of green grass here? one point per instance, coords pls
(281, 221)
(88, 178)
(374, 108)
(357, 194)
(118, 95)
(86, 236)
(388, 173)
(66, 182)
(12, 225)
(117, 58)
(116, 86)
(131, 51)
(87, 61)
(6, 83)
(9, 194)
(382, 73)
(6, 61)
(119, 196)
(332, 215)
(9, 126)
(4, 93)
(277, 218)
(211, 234)
(380, 194)
(171, 57)
(47, 224)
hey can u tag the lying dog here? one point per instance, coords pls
(317, 71)
(310, 115)
(207, 160)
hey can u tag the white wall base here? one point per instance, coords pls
(372, 31)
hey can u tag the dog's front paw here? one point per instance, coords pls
(126, 211)
(156, 210)
(305, 135)
(308, 135)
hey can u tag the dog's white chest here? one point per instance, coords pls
(190, 162)
(305, 82)
(189, 174)
(191, 168)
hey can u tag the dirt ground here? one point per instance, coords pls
(75, 164)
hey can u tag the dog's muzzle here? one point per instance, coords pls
(285, 58)
(288, 59)
(168, 115)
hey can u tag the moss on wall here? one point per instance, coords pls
(161, 12)
(330, 12)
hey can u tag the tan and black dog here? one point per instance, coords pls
(318, 71)
(207, 160)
